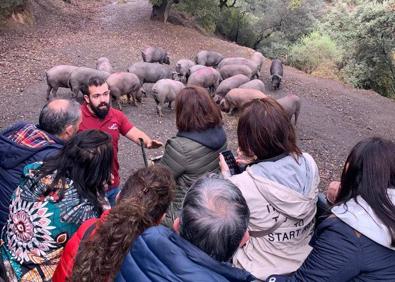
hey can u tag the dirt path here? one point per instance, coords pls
(333, 117)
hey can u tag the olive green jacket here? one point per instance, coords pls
(189, 156)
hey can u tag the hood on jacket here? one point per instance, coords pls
(159, 254)
(213, 138)
(360, 216)
(290, 186)
(13, 154)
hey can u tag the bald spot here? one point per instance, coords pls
(59, 105)
(217, 204)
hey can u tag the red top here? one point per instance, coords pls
(66, 263)
(115, 123)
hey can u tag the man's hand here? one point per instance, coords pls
(154, 144)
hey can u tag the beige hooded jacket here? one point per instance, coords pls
(282, 198)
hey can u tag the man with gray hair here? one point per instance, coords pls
(25, 143)
(211, 227)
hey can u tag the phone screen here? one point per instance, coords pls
(231, 162)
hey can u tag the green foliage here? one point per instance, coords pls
(156, 2)
(354, 37)
(312, 51)
(282, 23)
(237, 25)
(205, 11)
(366, 31)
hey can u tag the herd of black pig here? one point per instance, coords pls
(231, 82)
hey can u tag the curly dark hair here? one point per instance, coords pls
(142, 202)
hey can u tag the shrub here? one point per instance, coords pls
(312, 51)
(365, 30)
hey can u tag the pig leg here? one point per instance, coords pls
(169, 106)
(75, 91)
(55, 90)
(256, 75)
(133, 95)
(119, 105)
(115, 101)
(159, 104)
(49, 91)
(159, 109)
(232, 110)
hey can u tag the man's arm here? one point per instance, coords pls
(135, 134)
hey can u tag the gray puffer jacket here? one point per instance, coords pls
(189, 155)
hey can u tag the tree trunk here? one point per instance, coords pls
(158, 12)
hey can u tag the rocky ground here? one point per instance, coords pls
(333, 116)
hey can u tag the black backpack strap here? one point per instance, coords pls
(89, 231)
(87, 234)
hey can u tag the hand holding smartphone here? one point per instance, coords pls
(231, 162)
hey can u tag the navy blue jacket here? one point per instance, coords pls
(342, 254)
(13, 158)
(160, 254)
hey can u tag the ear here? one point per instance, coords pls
(67, 133)
(176, 225)
(86, 98)
(245, 238)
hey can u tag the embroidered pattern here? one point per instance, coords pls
(40, 223)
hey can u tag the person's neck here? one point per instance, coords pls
(63, 136)
(90, 109)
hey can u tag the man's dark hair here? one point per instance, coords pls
(93, 81)
(54, 120)
(214, 217)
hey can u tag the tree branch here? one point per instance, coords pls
(262, 36)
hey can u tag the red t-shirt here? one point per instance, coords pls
(115, 123)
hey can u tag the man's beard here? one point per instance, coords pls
(101, 112)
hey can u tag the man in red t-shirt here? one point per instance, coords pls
(98, 114)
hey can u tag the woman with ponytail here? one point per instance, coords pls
(357, 242)
(52, 200)
(99, 246)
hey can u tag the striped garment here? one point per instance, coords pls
(30, 136)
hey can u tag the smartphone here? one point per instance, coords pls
(231, 162)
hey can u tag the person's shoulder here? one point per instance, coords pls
(177, 141)
(117, 113)
(242, 180)
(335, 226)
(14, 127)
(155, 237)
(157, 230)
